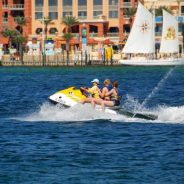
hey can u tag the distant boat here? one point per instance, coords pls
(140, 46)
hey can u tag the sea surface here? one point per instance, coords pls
(45, 144)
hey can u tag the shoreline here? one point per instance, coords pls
(71, 63)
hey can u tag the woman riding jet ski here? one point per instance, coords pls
(72, 96)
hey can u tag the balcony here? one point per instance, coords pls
(97, 8)
(82, 8)
(38, 8)
(113, 7)
(67, 8)
(112, 34)
(76, 35)
(126, 5)
(82, 17)
(91, 35)
(53, 9)
(5, 6)
(17, 7)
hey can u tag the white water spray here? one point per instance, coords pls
(155, 90)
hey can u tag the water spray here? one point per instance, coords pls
(155, 90)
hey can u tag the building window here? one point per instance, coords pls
(97, 2)
(96, 14)
(82, 2)
(53, 15)
(5, 17)
(53, 30)
(93, 29)
(114, 30)
(67, 2)
(53, 2)
(113, 14)
(113, 2)
(82, 14)
(38, 3)
(182, 9)
(126, 28)
(67, 14)
(38, 15)
(5, 2)
(39, 30)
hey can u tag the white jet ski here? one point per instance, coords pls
(71, 96)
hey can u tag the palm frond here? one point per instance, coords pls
(69, 21)
(20, 39)
(68, 36)
(46, 20)
(20, 20)
(158, 11)
(10, 33)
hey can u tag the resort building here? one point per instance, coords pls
(102, 19)
(9, 10)
(105, 21)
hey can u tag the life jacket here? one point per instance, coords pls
(114, 97)
(94, 92)
(109, 87)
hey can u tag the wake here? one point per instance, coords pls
(83, 113)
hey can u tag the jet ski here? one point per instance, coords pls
(71, 96)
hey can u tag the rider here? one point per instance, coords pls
(113, 98)
(113, 93)
(106, 88)
(93, 91)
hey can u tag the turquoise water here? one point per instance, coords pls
(41, 143)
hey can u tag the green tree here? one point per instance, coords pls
(19, 40)
(129, 12)
(69, 21)
(46, 21)
(21, 21)
(158, 11)
(10, 34)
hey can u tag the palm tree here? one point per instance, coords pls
(20, 40)
(129, 12)
(158, 12)
(69, 21)
(21, 21)
(10, 34)
(46, 21)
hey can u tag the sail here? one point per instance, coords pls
(169, 41)
(141, 38)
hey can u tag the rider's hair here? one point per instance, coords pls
(115, 84)
(107, 81)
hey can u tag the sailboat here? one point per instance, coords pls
(140, 46)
